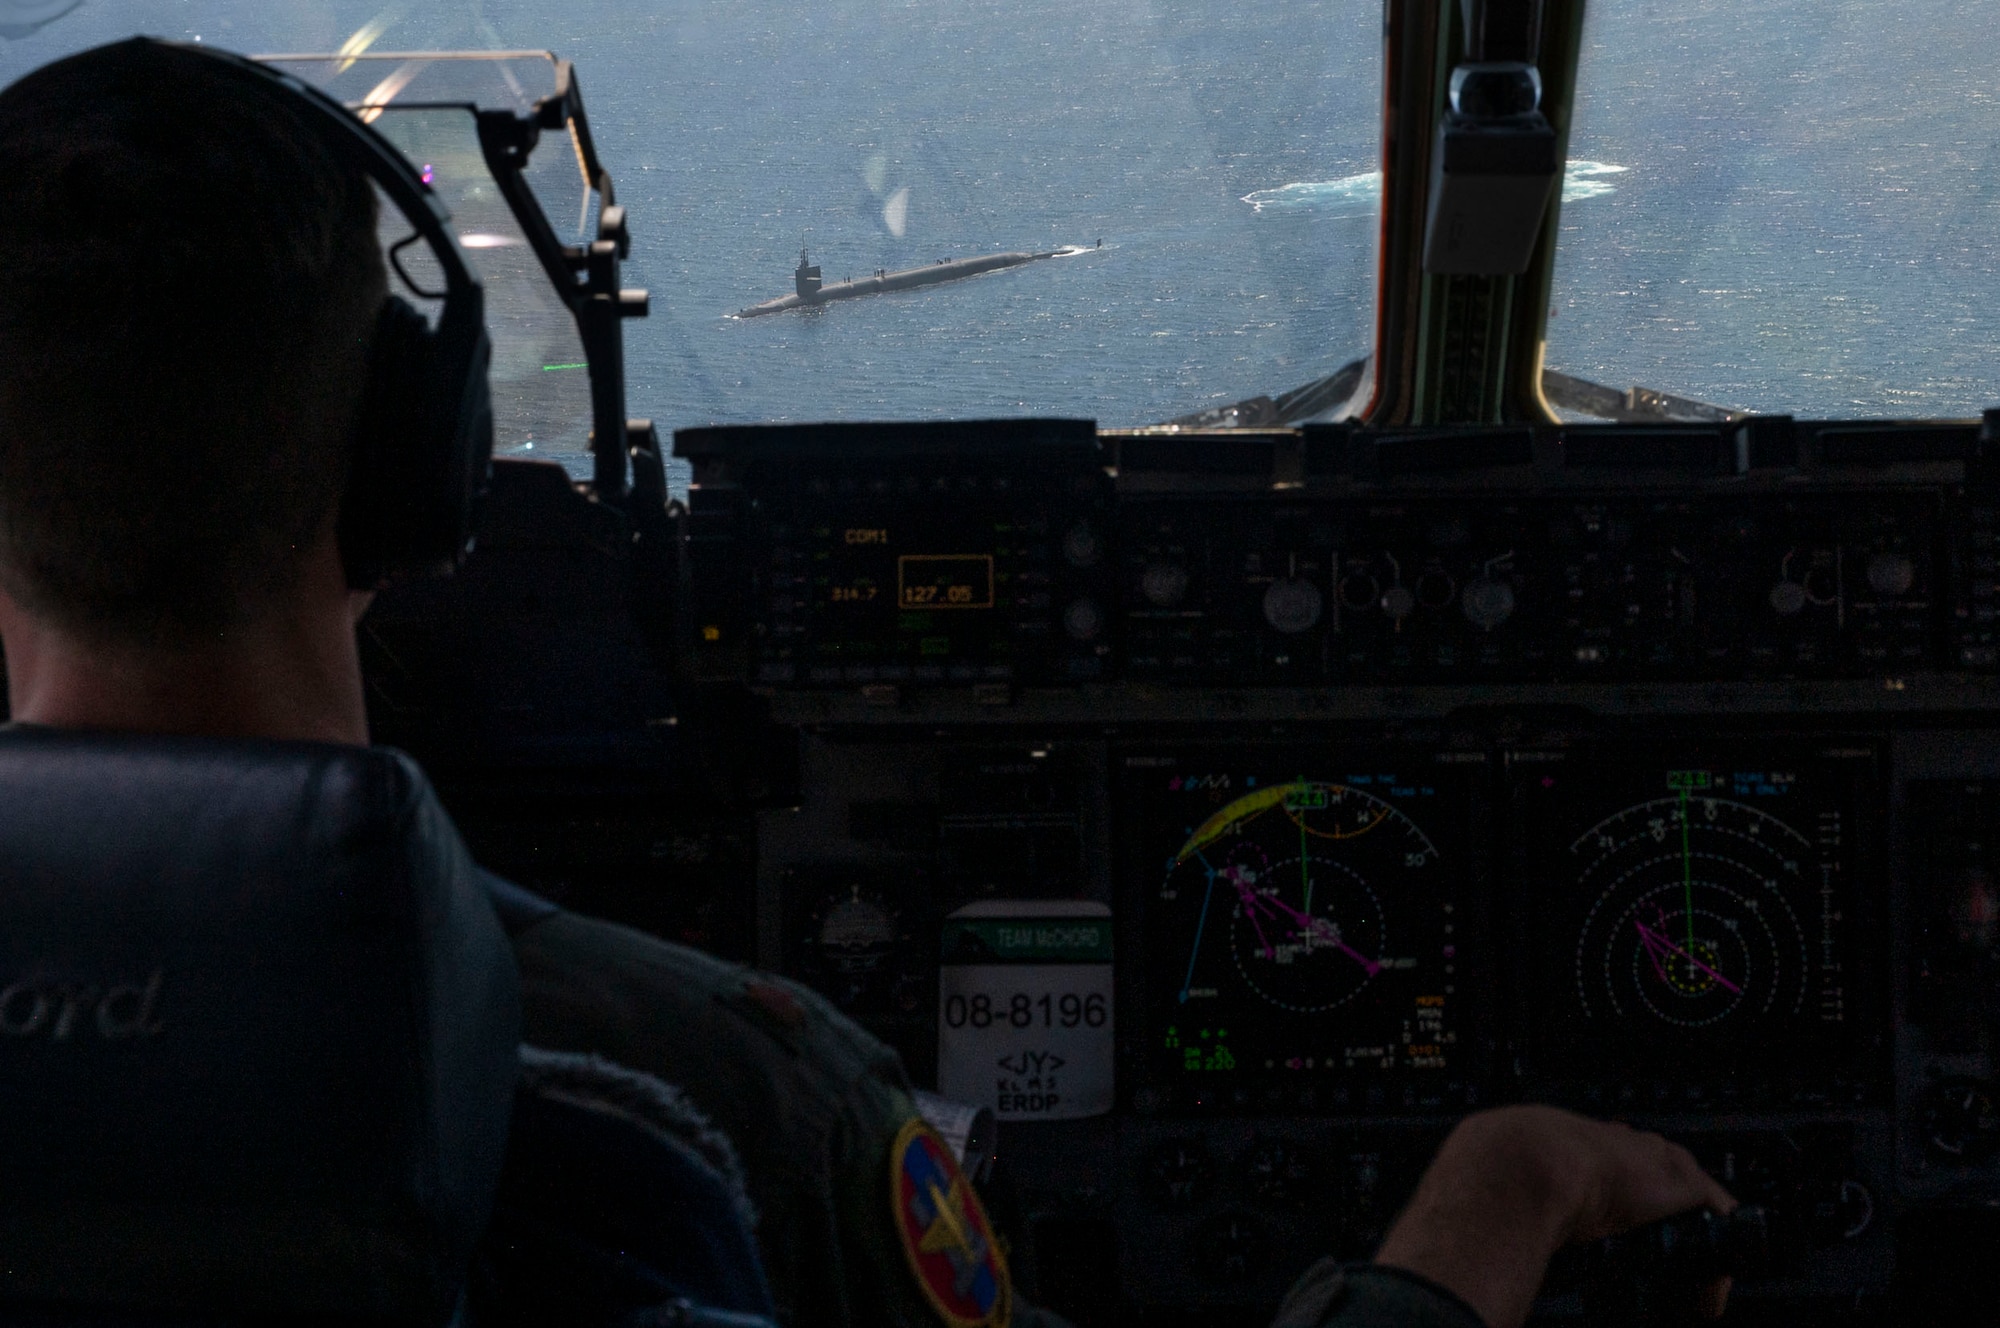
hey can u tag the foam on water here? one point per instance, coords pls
(1349, 196)
(1585, 179)
(1358, 195)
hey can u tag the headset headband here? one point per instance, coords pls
(365, 149)
(424, 444)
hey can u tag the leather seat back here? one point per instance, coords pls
(258, 1031)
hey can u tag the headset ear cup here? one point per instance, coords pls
(376, 509)
(424, 448)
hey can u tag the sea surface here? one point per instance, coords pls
(1789, 205)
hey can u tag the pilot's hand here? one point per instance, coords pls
(1512, 1186)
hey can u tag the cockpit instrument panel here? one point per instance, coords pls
(976, 557)
(1693, 920)
(1644, 771)
(1312, 927)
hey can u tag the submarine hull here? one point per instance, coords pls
(908, 279)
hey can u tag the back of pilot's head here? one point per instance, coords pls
(189, 282)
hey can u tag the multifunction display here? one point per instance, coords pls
(905, 593)
(1690, 915)
(888, 556)
(1306, 923)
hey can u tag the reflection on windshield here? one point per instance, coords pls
(423, 104)
(1810, 222)
(18, 18)
(541, 390)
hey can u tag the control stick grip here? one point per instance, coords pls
(1645, 1276)
(1697, 1246)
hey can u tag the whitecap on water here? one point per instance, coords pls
(1349, 196)
(1586, 179)
(1357, 195)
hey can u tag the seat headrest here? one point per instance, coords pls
(258, 1031)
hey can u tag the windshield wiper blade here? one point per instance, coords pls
(1334, 398)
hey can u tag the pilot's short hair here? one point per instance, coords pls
(189, 281)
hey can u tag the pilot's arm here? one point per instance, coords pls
(1506, 1191)
(820, 1113)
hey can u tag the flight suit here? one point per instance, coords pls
(818, 1109)
(1336, 1295)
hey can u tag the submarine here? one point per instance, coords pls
(810, 290)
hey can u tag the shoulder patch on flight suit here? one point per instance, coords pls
(767, 1007)
(946, 1237)
(780, 1004)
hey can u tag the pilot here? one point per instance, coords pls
(189, 287)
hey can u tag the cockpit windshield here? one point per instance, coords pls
(1798, 208)
(1776, 207)
(1201, 172)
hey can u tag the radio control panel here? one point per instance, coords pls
(1042, 554)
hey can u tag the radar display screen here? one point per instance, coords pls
(1309, 937)
(1690, 915)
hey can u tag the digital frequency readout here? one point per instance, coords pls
(1692, 915)
(1303, 925)
(859, 575)
(944, 581)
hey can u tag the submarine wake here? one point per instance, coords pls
(1358, 195)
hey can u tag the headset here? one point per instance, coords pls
(423, 451)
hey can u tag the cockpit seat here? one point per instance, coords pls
(260, 1063)
(259, 1034)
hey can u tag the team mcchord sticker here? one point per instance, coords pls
(946, 1237)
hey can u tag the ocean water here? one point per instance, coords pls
(1812, 218)
(1780, 206)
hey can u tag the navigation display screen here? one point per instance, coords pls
(1311, 934)
(1689, 914)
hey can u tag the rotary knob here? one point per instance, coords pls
(1083, 620)
(1398, 602)
(1435, 589)
(1080, 546)
(1486, 602)
(1359, 590)
(1292, 605)
(1891, 573)
(1164, 584)
(1788, 598)
(1961, 1121)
